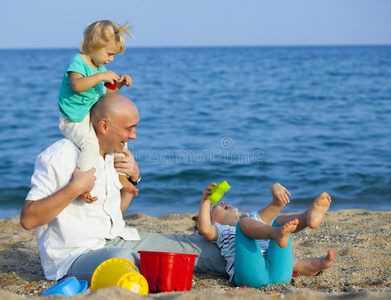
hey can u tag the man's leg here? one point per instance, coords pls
(208, 260)
(84, 266)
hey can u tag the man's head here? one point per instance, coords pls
(114, 118)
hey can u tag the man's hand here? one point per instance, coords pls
(38, 213)
(84, 182)
(127, 165)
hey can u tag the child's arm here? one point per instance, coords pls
(205, 227)
(79, 83)
(124, 80)
(280, 194)
(280, 199)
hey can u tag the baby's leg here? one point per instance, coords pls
(251, 267)
(260, 231)
(82, 134)
(312, 217)
(312, 266)
(279, 260)
(127, 185)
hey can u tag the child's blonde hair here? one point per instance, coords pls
(98, 34)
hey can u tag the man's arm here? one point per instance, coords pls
(41, 212)
(127, 165)
(126, 199)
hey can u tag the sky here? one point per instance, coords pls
(172, 23)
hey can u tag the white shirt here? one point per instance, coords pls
(80, 227)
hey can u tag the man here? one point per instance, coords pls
(74, 236)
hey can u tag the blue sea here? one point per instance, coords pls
(314, 119)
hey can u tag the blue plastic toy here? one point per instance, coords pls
(67, 287)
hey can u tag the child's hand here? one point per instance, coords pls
(208, 191)
(280, 194)
(126, 80)
(110, 77)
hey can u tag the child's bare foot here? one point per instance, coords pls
(130, 188)
(315, 213)
(285, 230)
(88, 198)
(312, 266)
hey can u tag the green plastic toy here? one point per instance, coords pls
(218, 191)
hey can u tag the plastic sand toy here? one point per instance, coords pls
(119, 272)
(111, 86)
(67, 287)
(218, 191)
(167, 271)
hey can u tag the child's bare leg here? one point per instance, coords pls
(130, 188)
(259, 231)
(312, 217)
(312, 266)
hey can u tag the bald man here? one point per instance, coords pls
(74, 235)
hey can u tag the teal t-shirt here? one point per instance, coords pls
(75, 106)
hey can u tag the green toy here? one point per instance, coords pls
(218, 191)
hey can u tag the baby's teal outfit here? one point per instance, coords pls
(254, 263)
(253, 269)
(75, 111)
(75, 106)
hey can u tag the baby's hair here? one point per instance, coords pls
(98, 34)
(195, 219)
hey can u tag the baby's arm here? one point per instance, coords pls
(205, 227)
(280, 199)
(80, 83)
(280, 194)
(124, 80)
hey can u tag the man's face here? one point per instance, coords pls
(121, 130)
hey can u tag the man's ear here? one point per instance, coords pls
(104, 125)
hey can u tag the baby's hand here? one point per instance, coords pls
(126, 80)
(280, 194)
(110, 77)
(208, 191)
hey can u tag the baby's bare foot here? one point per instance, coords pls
(282, 239)
(312, 266)
(88, 198)
(127, 186)
(85, 196)
(317, 210)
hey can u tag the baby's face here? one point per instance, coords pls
(105, 55)
(224, 214)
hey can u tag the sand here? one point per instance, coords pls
(362, 269)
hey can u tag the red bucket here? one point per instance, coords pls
(166, 271)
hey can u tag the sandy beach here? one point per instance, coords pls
(362, 269)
